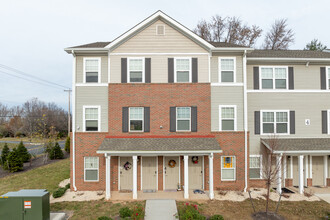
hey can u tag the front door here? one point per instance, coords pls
(295, 171)
(171, 171)
(195, 172)
(126, 173)
(149, 173)
(317, 171)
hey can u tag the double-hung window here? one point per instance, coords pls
(328, 76)
(182, 71)
(227, 118)
(227, 69)
(136, 118)
(92, 69)
(136, 70)
(91, 118)
(274, 77)
(183, 118)
(255, 167)
(275, 122)
(228, 168)
(91, 169)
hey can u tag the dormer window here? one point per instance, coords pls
(92, 70)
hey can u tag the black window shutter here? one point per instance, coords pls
(147, 70)
(256, 77)
(123, 70)
(172, 119)
(170, 70)
(324, 122)
(194, 70)
(125, 119)
(323, 78)
(257, 122)
(193, 118)
(291, 78)
(146, 119)
(292, 122)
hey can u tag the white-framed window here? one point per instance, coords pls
(274, 77)
(227, 69)
(92, 118)
(91, 169)
(182, 69)
(183, 119)
(136, 119)
(227, 118)
(228, 168)
(328, 122)
(275, 121)
(92, 69)
(135, 70)
(255, 167)
(327, 70)
(160, 29)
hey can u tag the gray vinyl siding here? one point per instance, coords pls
(159, 67)
(305, 105)
(92, 96)
(80, 68)
(226, 96)
(215, 67)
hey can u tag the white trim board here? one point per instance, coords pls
(289, 91)
(160, 54)
(91, 84)
(158, 153)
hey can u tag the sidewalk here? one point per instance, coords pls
(160, 209)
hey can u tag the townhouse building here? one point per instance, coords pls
(161, 109)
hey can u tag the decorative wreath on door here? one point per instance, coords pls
(127, 166)
(171, 163)
(194, 159)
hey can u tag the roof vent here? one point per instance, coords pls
(160, 29)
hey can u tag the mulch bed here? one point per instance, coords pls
(36, 162)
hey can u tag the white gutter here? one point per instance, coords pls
(286, 59)
(73, 121)
(204, 152)
(68, 50)
(245, 121)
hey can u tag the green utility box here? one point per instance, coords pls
(30, 204)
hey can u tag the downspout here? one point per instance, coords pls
(245, 121)
(73, 121)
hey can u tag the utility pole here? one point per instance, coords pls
(69, 113)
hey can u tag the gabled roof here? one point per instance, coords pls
(299, 54)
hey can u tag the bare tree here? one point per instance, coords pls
(203, 30)
(279, 37)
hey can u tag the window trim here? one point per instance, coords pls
(274, 79)
(98, 118)
(190, 69)
(327, 77)
(274, 111)
(99, 69)
(260, 159)
(157, 29)
(129, 119)
(328, 122)
(143, 69)
(176, 119)
(235, 116)
(222, 168)
(98, 170)
(219, 69)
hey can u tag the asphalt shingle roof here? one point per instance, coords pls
(224, 44)
(159, 144)
(289, 54)
(300, 144)
(93, 45)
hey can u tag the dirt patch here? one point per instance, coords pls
(36, 162)
(266, 216)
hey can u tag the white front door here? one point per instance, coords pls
(126, 173)
(171, 171)
(149, 173)
(195, 172)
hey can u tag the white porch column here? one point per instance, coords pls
(279, 181)
(134, 177)
(325, 166)
(306, 169)
(291, 167)
(107, 177)
(211, 176)
(186, 177)
(284, 169)
(301, 173)
(310, 166)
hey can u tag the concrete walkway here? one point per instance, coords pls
(160, 209)
(325, 197)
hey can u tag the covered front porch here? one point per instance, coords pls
(159, 167)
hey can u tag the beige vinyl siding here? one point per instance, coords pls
(80, 68)
(92, 96)
(305, 77)
(226, 96)
(146, 41)
(215, 67)
(159, 67)
(305, 105)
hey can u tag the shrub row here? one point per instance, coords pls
(13, 160)
(60, 191)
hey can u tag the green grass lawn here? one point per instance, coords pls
(44, 177)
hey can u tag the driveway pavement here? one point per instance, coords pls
(160, 209)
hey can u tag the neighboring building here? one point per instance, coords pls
(159, 108)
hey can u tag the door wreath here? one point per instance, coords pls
(171, 163)
(127, 166)
(194, 159)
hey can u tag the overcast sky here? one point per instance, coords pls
(34, 33)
